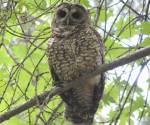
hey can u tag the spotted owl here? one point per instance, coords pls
(74, 49)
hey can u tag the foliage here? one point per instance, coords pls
(24, 72)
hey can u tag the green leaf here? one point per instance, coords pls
(119, 24)
(85, 3)
(145, 28)
(16, 121)
(123, 121)
(149, 83)
(125, 29)
(111, 113)
(103, 16)
(116, 49)
(19, 51)
(124, 116)
(4, 57)
(146, 42)
(137, 103)
(108, 99)
(40, 4)
(112, 92)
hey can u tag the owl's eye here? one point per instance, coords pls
(76, 15)
(61, 13)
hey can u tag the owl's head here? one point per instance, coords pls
(69, 15)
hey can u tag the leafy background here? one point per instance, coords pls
(24, 33)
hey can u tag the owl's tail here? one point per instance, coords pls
(79, 116)
(82, 103)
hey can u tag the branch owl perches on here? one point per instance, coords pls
(74, 49)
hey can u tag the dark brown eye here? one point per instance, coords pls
(61, 13)
(76, 15)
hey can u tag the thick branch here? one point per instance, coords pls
(57, 90)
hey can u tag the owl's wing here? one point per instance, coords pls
(98, 90)
(54, 76)
(53, 73)
(67, 95)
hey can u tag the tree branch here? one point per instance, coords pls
(58, 90)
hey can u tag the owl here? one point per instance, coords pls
(74, 49)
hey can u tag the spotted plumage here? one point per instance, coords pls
(74, 49)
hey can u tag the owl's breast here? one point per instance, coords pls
(71, 57)
(61, 57)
